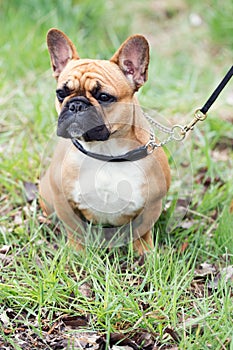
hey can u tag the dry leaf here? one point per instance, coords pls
(227, 273)
(85, 290)
(4, 318)
(184, 246)
(125, 347)
(5, 249)
(122, 340)
(31, 191)
(75, 321)
(172, 333)
(205, 270)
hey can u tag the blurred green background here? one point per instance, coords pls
(185, 35)
(191, 43)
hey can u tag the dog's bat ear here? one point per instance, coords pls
(61, 50)
(133, 59)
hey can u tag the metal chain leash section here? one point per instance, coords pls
(176, 133)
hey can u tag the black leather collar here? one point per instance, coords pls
(136, 154)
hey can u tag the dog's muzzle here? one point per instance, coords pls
(80, 119)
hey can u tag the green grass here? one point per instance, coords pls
(42, 278)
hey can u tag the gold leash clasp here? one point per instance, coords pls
(198, 116)
(179, 132)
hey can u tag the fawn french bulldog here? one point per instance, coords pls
(103, 170)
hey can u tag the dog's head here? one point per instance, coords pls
(95, 97)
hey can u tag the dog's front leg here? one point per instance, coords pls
(72, 222)
(144, 244)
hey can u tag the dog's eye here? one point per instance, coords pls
(104, 97)
(61, 94)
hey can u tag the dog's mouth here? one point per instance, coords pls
(74, 131)
(98, 133)
(83, 121)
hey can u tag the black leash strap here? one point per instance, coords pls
(200, 113)
(217, 91)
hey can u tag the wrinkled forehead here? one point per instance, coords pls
(86, 75)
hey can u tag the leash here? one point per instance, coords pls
(217, 91)
(177, 132)
(201, 113)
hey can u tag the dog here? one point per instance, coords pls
(103, 171)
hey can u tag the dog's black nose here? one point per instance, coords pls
(78, 104)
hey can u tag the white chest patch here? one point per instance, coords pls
(110, 191)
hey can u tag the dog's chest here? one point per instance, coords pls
(111, 193)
